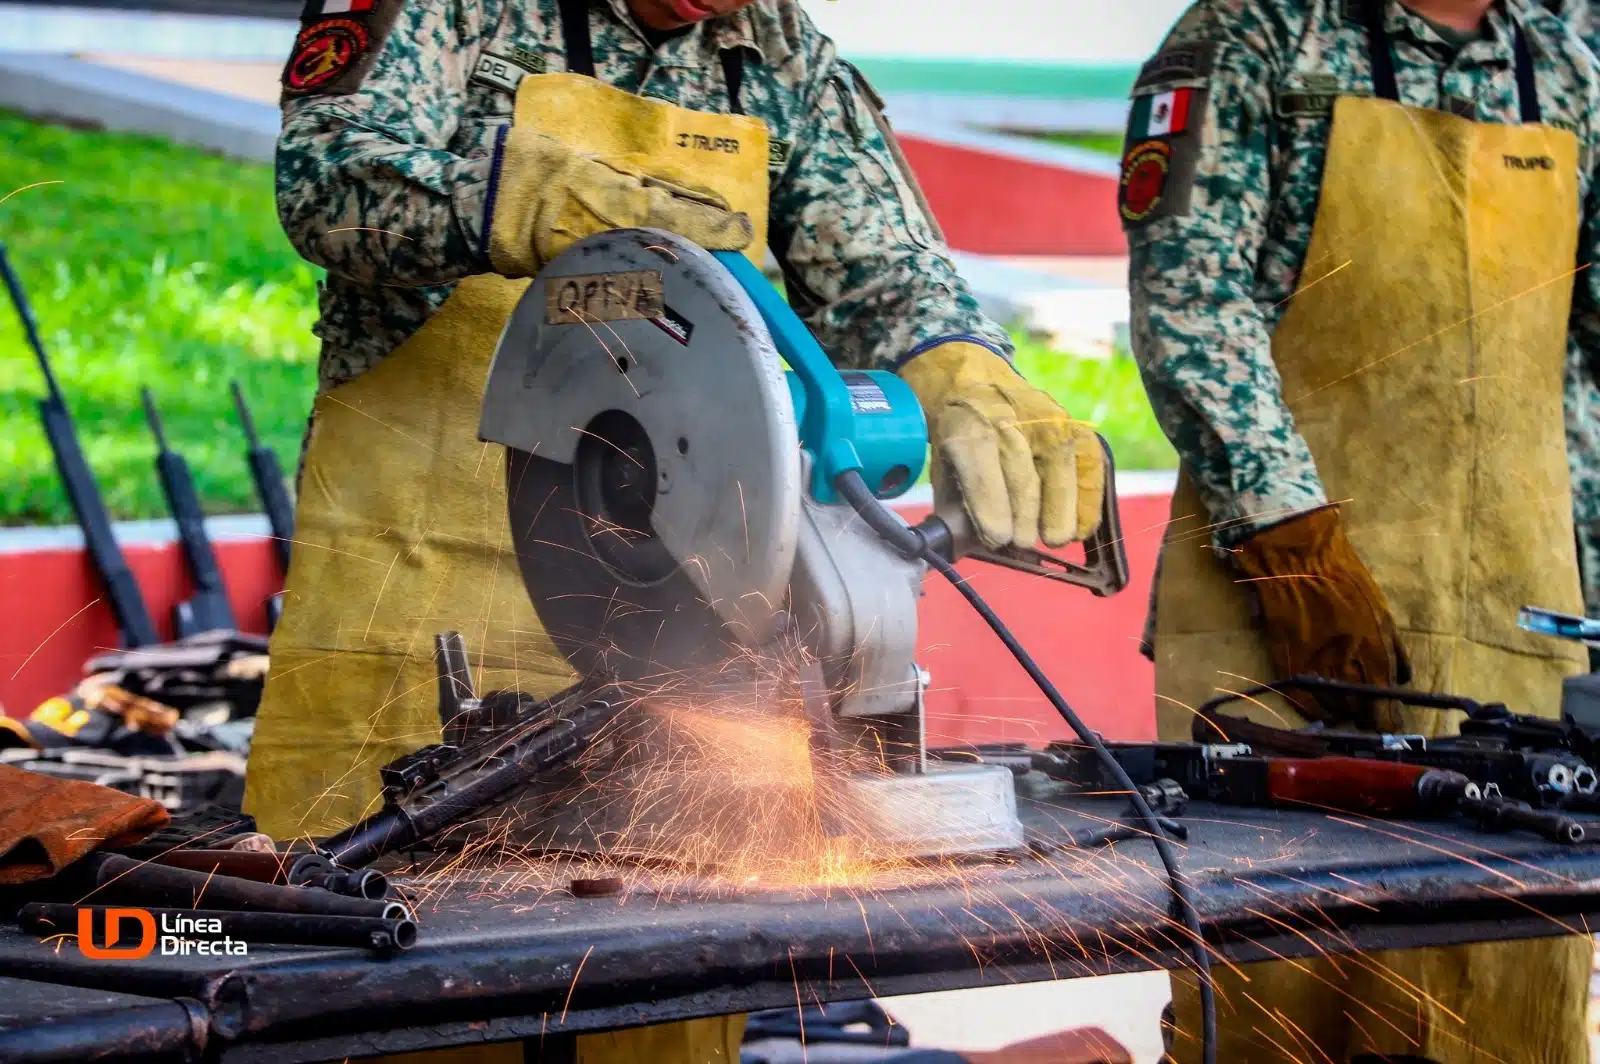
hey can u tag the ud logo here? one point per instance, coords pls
(1529, 162)
(111, 951)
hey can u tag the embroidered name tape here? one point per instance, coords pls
(505, 71)
(1309, 96)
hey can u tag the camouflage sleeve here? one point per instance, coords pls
(367, 186)
(863, 261)
(1580, 15)
(1201, 340)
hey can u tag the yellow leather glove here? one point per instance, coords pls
(1021, 467)
(548, 196)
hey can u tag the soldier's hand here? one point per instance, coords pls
(549, 196)
(1020, 466)
(1322, 613)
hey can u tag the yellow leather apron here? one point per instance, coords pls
(1422, 358)
(401, 532)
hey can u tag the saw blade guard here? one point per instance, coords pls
(653, 479)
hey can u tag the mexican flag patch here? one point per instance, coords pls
(1161, 115)
(316, 9)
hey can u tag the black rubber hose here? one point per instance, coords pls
(912, 544)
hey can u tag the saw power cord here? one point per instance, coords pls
(913, 544)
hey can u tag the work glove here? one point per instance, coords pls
(548, 196)
(1017, 463)
(1322, 613)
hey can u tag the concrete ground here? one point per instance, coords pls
(243, 79)
(1127, 1007)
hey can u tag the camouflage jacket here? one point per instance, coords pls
(1210, 282)
(1580, 15)
(382, 179)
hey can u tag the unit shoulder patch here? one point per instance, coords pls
(338, 42)
(1146, 168)
(1181, 64)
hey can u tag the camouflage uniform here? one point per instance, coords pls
(1210, 283)
(385, 186)
(1580, 15)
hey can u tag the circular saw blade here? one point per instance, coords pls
(653, 464)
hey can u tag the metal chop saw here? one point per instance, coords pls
(680, 501)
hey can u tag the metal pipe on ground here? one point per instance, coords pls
(118, 879)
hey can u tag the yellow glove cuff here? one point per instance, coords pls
(932, 373)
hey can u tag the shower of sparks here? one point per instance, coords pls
(57, 631)
(24, 188)
(367, 229)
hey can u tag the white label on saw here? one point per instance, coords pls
(590, 297)
(866, 397)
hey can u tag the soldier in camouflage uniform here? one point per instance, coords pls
(434, 155)
(1353, 233)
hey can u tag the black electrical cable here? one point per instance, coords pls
(911, 543)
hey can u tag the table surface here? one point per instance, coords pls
(496, 962)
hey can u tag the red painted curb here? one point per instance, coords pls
(990, 204)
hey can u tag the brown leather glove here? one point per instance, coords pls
(1322, 612)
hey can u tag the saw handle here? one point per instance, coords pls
(1104, 572)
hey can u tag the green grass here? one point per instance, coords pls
(155, 266)
(1103, 143)
(148, 266)
(1106, 393)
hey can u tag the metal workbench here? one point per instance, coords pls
(491, 966)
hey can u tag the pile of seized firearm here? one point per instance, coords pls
(1504, 771)
(210, 867)
(165, 721)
